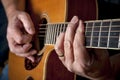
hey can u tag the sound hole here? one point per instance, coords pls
(29, 65)
(42, 33)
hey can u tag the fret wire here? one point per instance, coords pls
(48, 37)
(50, 34)
(92, 35)
(99, 34)
(86, 40)
(53, 32)
(119, 41)
(109, 34)
(45, 35)
(57, 33)
(44, 32)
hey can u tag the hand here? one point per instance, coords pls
(70, 47)
(19, 34)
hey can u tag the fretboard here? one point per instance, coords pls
(103, 34)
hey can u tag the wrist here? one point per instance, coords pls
(13, 6)
(11, 11)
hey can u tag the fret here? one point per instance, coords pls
(108, 43)
(58, 30)
(45, 34)
(54, 31)
(104, 33)
(96, 33)
(48, 34)
(46, 39)
(99, 38)
(91, 42)
(115, 22)
(119, 41)
(57, 33)
(50, 39)
(88, 33)
(114, 41)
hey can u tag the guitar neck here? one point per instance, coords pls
(103, 34)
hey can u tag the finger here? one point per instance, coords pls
(16, 48)
(27, 22)
(69, 36)
(31, 58)
(21, 51)
(22, 38)
(19, 37)
(27, 54)
(59, 47)
(22, 48)
(15, 29)
(80, 52)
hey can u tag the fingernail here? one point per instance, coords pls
(74, 19)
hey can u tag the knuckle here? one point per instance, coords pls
(24, 50)
(19, 40)
(57, 48)
(24, 13)
(17, 54)
(69, 67)
(67, 45)
(12, 50)
(70, 25)
(80, 31)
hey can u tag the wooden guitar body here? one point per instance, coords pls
(49, 66)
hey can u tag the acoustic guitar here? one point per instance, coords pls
(51, 17)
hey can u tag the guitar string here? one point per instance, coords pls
(53, 25)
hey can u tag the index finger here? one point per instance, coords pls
(27, 23)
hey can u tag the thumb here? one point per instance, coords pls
(27, 23)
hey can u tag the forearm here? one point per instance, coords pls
(11, 6)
